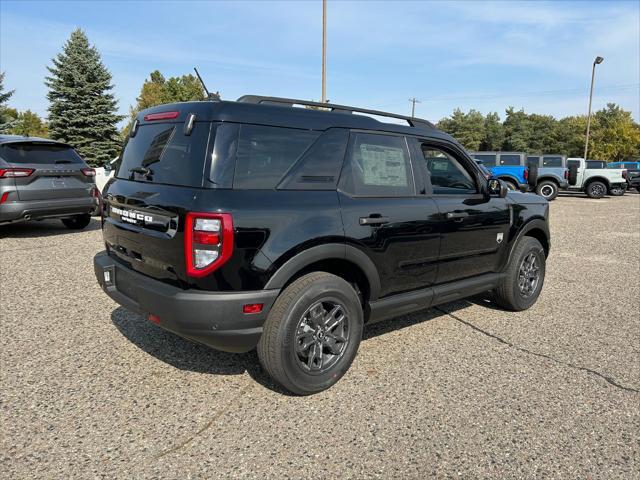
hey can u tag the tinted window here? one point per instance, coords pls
(552, 161)
(509, 159)
(570, 163)
(265, 154)
(533, 161)
(319, 168)
(447, 174)
(378, 166)
(38, 153)
(487, 160)
(161, 153)
(595, 164)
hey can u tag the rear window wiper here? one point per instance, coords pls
(141, 170)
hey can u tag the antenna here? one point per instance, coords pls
(202, 82)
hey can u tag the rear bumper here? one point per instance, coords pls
(20, 210)
(214, 319)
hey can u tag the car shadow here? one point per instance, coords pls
(186, 355)
(43, 228)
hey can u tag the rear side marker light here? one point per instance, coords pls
(252, 308)
(208, 242)
(15, 172)
(89, 172)
(154, 319)
(526, 174)
(4, 197)
(161, 116)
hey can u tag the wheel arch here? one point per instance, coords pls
(536, 228)
(590, 180)
(345, 261)
(509, 178)
(549, 178)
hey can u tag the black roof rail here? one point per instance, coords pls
(412, 121)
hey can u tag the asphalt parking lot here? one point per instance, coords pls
(465, 391)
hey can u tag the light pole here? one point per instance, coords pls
(597, 61)
(324, 51)
(413, 101)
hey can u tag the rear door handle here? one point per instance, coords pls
(457, 216)
(373, 220)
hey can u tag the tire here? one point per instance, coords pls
(510, 185)
(290, 325)
(547, 189)
(596, 190)
(533, 175)
(77, 222)
(510, 294)
(617, 191)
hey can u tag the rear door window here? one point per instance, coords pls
(162, 153)
(38, 153)
(509, 159)
(552, 162)
(378, 166)
(265, 154)
(487, 160)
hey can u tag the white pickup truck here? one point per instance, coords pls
(595, 182)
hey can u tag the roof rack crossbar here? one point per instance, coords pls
(412, 121)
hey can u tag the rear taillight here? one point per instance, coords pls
(208, 242)
(15, 172)
(526, 174)
(161, 116)
(89, 172)
(624, 174)
(4, 197)
(566, 174)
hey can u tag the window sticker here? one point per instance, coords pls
(383, 165)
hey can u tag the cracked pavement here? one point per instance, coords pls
(465, 390)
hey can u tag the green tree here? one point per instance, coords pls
(30, 124)
(493, 133)
(517, 130)
(82, 110)
(543, 134)
(5, 119)
(157, 90)
(467, 128)
(615, 135)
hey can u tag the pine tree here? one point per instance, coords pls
(82, 109)
(5, 120)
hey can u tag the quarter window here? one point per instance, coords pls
(448, 176)
(487, 159)
(378, 166)
(552, 161)
(265, 154)
(510, 160)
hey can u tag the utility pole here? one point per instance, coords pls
(413, 101)
(324, 51)
(597, 61)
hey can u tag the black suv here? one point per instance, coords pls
(259, 223)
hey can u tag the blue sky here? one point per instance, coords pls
(482, 55)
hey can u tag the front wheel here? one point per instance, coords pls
(312, 333)
(522, 284)
(617, 191)
(510, 185)
(547, 189)
(77, 222)
(596, 190)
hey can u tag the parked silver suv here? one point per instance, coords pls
(41, 178)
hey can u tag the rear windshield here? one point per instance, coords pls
(38, 153)
(162, 153)
(552, 161)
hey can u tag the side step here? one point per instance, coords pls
(409, 302)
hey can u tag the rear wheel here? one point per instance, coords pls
(312, 333)
(521, 286)
(596, 190)
(77, 222)
(547, 189)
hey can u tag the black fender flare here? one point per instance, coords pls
(509, 178)
(536, 223)
(327, 251)
(604, 180)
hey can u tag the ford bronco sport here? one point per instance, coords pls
(259, 224)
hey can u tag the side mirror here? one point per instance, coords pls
(107, 166)
(497, 188)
